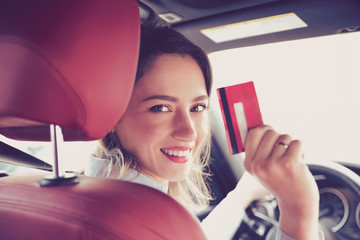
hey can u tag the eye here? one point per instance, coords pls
(199, 108)
(159, 108)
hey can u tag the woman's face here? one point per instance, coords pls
(166, 121)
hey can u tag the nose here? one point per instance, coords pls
(184, 129)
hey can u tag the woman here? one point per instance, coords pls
(163, 141)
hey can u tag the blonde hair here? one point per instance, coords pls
(192, 192)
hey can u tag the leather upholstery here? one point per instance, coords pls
(94, 209)
(70, 63)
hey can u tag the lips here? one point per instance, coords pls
(177, 154)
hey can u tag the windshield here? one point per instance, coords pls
(306, 88)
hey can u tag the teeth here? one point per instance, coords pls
(176, 153)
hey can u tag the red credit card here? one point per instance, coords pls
(240, 110)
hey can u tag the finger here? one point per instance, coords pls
(252, 141)
(265, 147)
(281, 145)
(294, 151)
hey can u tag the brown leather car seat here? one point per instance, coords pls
(72, 63)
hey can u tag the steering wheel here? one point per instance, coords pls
(262, 215)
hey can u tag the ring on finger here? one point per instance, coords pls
(283, 144)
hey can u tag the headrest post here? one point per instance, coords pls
(57, 141)
(59, 178)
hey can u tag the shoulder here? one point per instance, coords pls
(95, 166)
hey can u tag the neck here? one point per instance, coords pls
(156, 178)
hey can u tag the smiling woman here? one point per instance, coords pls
(156, 133)
(163, 141)
(167, 116)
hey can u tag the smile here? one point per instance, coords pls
(176, 155)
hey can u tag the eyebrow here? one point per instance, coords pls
(174, 99)
(200, 98)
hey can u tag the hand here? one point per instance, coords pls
(282, 170)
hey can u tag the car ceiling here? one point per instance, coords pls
(322, 17)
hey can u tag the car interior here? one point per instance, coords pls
(67, 69)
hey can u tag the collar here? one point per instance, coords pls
(97, 166)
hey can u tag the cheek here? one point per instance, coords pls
(203, 129)
(140, 132)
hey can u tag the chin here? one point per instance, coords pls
(176, 173)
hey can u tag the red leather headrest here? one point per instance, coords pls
(65, 62)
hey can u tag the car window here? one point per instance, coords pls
(308, 88)
(74, 155)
